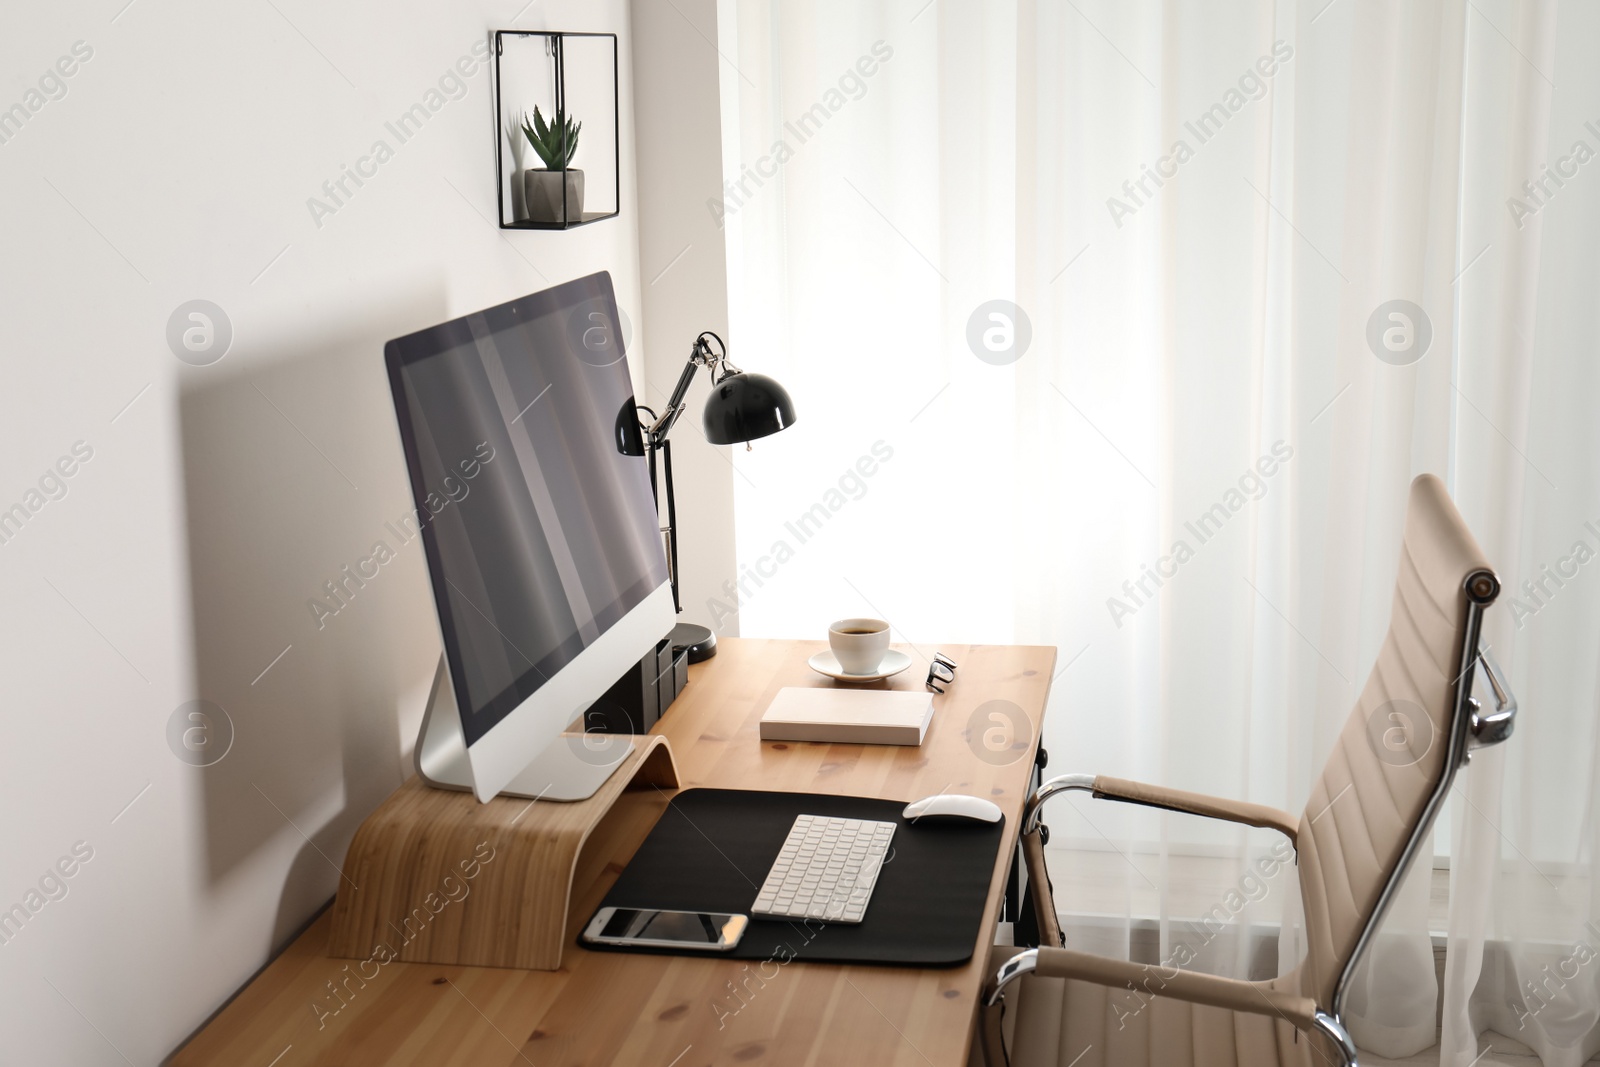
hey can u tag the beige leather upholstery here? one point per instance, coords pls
(1386, 763)
(1085, 1024)
(1044, 909)
(1156, 796)
(1384, 766)
(1146, 982)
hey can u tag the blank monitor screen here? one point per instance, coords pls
(532, 492)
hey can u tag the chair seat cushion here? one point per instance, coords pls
(1061, 1022)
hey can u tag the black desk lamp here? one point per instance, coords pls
(741, 408)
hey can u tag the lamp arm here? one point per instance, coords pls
(655, 439)
(700, 355)
(675, 405)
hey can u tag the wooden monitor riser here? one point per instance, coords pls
(433, 876)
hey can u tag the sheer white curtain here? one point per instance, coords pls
(1180, 454)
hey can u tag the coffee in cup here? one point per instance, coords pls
(859, 644)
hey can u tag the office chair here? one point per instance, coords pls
(1412, 728)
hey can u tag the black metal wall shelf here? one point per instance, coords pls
(568, 76)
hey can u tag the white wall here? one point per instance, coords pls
(218, 499)
(683, 266)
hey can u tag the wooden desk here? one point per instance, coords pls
(677, 1011)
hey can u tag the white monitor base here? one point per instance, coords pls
(572, 768)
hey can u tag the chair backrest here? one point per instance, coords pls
(1401, 746)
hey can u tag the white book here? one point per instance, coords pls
(854, 716)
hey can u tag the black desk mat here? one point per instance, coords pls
(712, 848)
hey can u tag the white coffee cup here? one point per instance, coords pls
(859, 644)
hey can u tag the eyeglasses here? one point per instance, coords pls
(942, 669)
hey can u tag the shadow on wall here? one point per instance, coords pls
(293, 473)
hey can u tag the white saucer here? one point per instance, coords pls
(894, 661)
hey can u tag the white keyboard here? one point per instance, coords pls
(825, 870)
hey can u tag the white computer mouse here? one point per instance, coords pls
(953, 805)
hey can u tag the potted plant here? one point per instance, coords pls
(555, 144)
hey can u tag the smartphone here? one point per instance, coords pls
(704, 930)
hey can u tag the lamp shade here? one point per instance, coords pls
(744, 406)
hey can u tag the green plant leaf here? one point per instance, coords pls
(540, 150)
(546, 143)
(535, 138)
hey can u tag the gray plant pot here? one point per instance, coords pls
(542, 190)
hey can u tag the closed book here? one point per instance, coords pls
(852, 716)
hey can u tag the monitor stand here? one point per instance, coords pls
(571, 768)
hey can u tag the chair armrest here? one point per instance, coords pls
(1238, 811)
(1102, 787)
(1149, 980)
(1043, 893)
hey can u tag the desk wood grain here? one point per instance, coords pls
(308, 1010)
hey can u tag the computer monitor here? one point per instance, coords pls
(540, 528)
